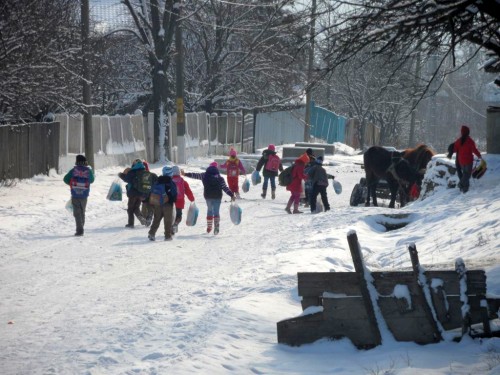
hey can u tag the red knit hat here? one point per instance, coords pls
(464, 130)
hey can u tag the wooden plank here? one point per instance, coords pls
(465, 308)
(357, 259)
(407, 324)
(348, 308)
(441, 305)
(420, 296)
(309, 328)
(310, 301)
(316, 283)
(454, 319)
(476, 281)
(483, 310)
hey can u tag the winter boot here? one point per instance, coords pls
(216, 224)
(296, 209)
(288, 206)
(263, 195)
(209, 223)
(273, 193)
(142, 220)
(151, 237)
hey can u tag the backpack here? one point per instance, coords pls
(158, 196)
(80, 182)
(233, 167)
(161, 193)
(285, 177)
(143, 182)
(273, 163)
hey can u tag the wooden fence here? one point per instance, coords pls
(29, 149)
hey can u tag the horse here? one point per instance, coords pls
(401, 169)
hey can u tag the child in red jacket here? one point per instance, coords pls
(465, 148)
(233, 166)
(183, 188)
(295, 187)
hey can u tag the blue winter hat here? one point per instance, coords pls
(176, 171)
(168, 170)
(319, 160)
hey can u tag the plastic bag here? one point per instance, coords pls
(235, 213)
(319, 205)
(246, 185)
(69, 207)
(115, 191)
(256, 179)
(337, 187)
(192, 214)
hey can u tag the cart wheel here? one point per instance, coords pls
(356, 195)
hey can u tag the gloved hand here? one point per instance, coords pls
(233, 198)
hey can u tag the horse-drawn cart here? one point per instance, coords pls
(360, 190)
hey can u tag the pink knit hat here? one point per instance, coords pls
(232, 152)
(214, 164)
(271, 147)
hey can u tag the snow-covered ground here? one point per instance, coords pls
(113, 302)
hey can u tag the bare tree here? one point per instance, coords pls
(404, 28)
(155, 22)
(39, 53)
(242, 54)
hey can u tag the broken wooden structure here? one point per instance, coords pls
(416, 306)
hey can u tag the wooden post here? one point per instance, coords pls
(357, 259)
(485, 316)
(462, 282)
(421, 291)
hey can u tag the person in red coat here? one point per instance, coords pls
(183, 189)
(465, 148)
(295, 187)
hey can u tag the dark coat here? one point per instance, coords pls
(129, 178)
(170, 188)
(213, 183)
(318, 176)
(262, 164)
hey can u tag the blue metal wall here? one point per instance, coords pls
(327, 125)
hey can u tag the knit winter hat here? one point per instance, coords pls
(167, 170)
(309, 151)
(319, 159)
(81, 159)
(214, 164)
(232, 152)
(271, 147)
(464, 130)
(176, 171)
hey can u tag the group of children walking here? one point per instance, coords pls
(170, 189)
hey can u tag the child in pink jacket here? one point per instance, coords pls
(183, 188)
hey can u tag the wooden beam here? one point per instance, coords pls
(357, 258)
(420, 297)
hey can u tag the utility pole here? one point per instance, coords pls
(312, 32)
(87, 98)
(179, 89)
(411, 141)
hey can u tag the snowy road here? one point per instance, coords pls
(113, 302)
